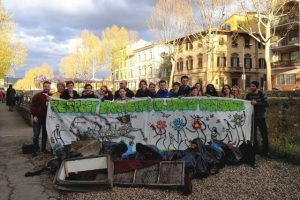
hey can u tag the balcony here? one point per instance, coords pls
(286, 63)
(288, 20)
(287, 44)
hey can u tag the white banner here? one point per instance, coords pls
(166, 123)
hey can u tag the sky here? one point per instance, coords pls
(48, 27)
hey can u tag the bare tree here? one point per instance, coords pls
(172, 20)
(268, 14)
(211, 15)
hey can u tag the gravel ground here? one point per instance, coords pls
(269, 180)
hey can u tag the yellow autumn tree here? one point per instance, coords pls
(85, 58)
(114, 39)
(28, 82)
(12, 51)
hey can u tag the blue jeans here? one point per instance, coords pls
(37, 126)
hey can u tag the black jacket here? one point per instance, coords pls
(184, 91)
(108, 96)
(66, 95)
(88, 96)
(143, 93)
(262, 103)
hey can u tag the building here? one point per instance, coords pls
(286, 53)
(141, 60)
(232, 54)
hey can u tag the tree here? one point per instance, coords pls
(85, 59)
(12, 51)
(28, 82)
(211, 16)
(176, 22)
(114, 39)
(268, 13)
(170, 21)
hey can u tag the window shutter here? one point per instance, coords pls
(218, 61)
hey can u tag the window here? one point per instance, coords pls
(150, 70)
(144, 71)
(260, 45)
(221, 61)
(140, 70)
(188, 46)
(200, 60)
(190, 63)
(150, 55)
(247, 42)
(234, 42)
(290, 78)
(283, 79)
(131, 73)
(248, 61)
(235, 61)
(262, 63)
(180, 64)
(295, 55)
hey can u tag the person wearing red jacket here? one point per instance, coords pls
(38, 111)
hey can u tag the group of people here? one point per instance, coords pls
(39, 101)
(66, 91)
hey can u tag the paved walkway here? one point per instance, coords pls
(13, 164)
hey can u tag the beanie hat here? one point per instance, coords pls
(256, 83)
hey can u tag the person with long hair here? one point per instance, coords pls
(235, 91)
(60, 89)
(211, 90)
(198, 85)
(226, 91)
(194, 92)
(122, 95)
(105, 94)
(143, 90)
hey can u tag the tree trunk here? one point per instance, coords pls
(267, 57)
(172, 73)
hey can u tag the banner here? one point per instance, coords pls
(166, 123)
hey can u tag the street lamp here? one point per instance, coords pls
(244, 74)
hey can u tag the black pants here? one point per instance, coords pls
(37, 127)
(261, 124)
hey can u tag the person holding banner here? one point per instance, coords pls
(162, 92)
(175, 90)
(60, 89)
(123, 85)
(105, 94)
(70, 93)
(184, 89)
(211, 91)
(88, 92)
(122, 95)
(259, 101)
(143, 90)
(226, 91)
(152, 89)
(38, 111)
(235, 90)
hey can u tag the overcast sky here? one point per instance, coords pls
(47, 27)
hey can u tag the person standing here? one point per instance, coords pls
(122, 95)
(60, 89)
(10, 97)
(105, 94)
(70, 93)
(184, 89)
(259, 101)
(235, 90)
(143, 90)
(211, 91)
(162, 92)
(123, 85)
(38, 111)
(226, 92)
(88, 92)
(152, 89)
(175, 90)
(2, 94)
